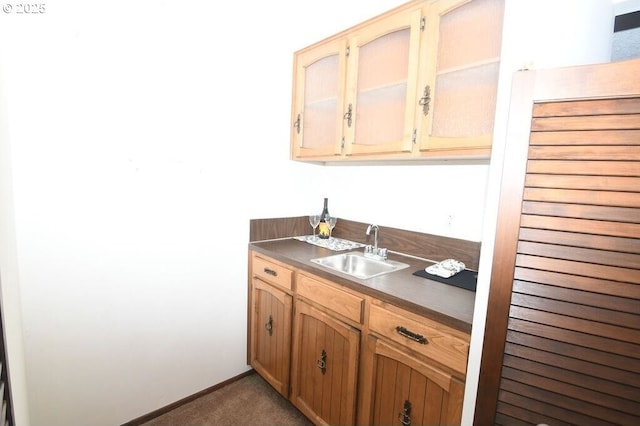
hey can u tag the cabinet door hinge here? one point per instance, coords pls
(414, 136)
(423, 23)
(342, 143)
(347, 51)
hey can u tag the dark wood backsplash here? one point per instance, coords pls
(426, 246)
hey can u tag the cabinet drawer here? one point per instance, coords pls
(272, 272)
(339, 301)
(443, 344)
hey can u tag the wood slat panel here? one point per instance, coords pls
(589, 401)
(564, 280)
(599, 227)
(561, 383)
(418, 392)
(403, 380)
(520, 322)
(582, 137)
(387, 378)
(597, 167)
(592, 362)
(603, 122)
(307, 355)
(595, 183)
(602, 257)
(561, 409)
(334, 388)
(574, 239)
(580, 325)
(588, 298)
(316, 375)
(579, 268)
(504, 419)
(618, 392)
(585, 152)
(615, 214)
(435, 400)
(575, 310)
(600, 198)
(587, 107)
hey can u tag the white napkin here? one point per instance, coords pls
(445, 269)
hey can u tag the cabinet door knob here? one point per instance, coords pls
(269, 325)
(405, 415)
(322, 362)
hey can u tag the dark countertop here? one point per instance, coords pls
(444, 303)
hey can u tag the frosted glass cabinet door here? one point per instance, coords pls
(381, 85)
(463, 86)
(317, 104)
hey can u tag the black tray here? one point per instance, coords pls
(465, 279)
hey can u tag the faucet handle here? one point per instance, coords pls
(383, 253)
(375, 253)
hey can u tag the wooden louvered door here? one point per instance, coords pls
(562, 339)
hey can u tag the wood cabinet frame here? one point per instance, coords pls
(335, 398)
(416, 142)
(278, 353)
(446, 411)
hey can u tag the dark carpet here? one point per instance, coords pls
(248, 401)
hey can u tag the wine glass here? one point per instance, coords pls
(314, 221)
(331, 221)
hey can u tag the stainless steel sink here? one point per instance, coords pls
(359, 266)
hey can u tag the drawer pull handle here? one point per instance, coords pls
(322, 362)
(405, 415)
(269, 325)
(411, 335)
(270, 272)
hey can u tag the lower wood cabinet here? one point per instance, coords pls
(325, 366)
(271, 332)
(402, 389)
(270, 322)
(437, 342)
(345, 358)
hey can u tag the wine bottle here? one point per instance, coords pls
(323, 227)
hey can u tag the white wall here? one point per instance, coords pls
(537, 34)
(626, 44)
(143, 137)
(9, 276)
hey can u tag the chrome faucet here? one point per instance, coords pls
(374, 251)
(375, 235)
